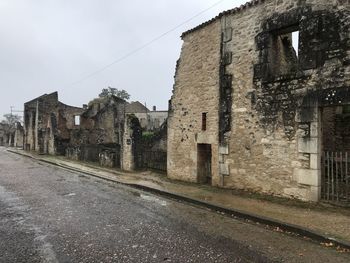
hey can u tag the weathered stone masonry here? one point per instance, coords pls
(264, 102)
(47, 124)
(100, 134)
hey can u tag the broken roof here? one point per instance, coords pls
(42, 96)
(103, 103)
(227, 12)
(136, 107)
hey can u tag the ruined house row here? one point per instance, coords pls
(108, 130)
(261, 102)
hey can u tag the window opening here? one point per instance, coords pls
(204, 121)
(77, 120)
(284, 51)
(295, 42)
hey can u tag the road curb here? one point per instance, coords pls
(301, 231)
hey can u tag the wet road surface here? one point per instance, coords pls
(48, 214)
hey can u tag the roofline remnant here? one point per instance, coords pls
(227, 12)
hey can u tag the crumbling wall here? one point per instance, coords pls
(19, 136)
(36, 116)
(100, 134)
(2, 134)
(289, 100)
(47, 124)
(131, 142)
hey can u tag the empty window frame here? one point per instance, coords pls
(284, 51)
(204, 121)
(295, 42)
(77, 120)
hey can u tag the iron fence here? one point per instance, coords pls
(336, 177)
(152, 160)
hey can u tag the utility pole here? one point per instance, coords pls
(12, 111)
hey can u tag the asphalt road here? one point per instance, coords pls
(48, 214)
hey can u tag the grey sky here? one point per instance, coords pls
(47, 45)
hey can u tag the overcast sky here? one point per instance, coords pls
(49, 45)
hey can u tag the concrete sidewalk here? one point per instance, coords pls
(321, 222)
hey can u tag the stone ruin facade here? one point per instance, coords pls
(48, 124)
(11, 135)
(100, 133)
(4, 136)
(18, 136)
(249, 111)
(106, 131)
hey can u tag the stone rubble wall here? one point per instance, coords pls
(196, 90)
(274, 144)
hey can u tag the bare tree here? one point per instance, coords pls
(11, 120)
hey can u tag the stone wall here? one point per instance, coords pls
(47, 124)
(196, 91)
(99, 136)
(265, 133)
(131, 139)
(36, 116)
(4, 134)
(19, 136)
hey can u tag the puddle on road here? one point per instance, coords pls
(70, 194)
(154, 199)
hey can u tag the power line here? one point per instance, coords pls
(145, 45)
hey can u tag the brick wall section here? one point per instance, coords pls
(274, 143)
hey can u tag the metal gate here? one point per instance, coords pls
(152, 159)
(336, 177)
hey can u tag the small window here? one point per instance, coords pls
(295, 42)
(204, 121)
(77, 120)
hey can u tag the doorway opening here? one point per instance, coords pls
(336, 154)
(204, 163)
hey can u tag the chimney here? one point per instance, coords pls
(154, 108)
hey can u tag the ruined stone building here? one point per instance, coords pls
(18, 135)
(7, 135)
(3, 134)
(149, 120)
(48, 124)
(250, 111)
(99, 137)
